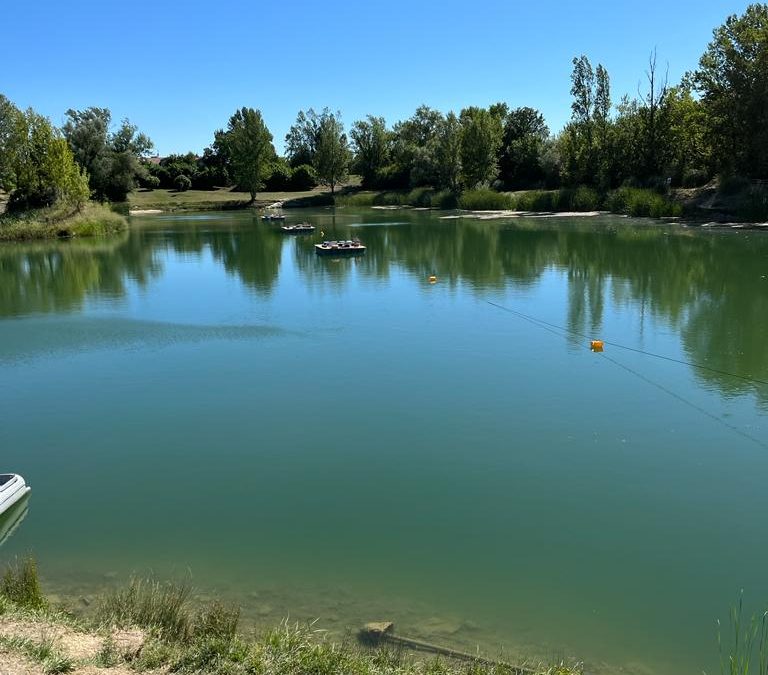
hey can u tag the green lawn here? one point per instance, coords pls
(171, 200)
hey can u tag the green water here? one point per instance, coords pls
(341, 439)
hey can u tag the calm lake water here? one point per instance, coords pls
(342, 440)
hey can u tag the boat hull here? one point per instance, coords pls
(12, 489)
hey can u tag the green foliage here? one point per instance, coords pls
(61, 221)
(733, 80)
(641, 203)
(303, 178)
(525, 134)
(481, 136)
(21, 586)
(248, 145)
(486, 200)
(332, 156)
(182, 183)
(111, 159)
(371, 145)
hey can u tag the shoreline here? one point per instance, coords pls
(160, 627)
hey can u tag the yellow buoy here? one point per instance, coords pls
(432, 279)
(596, 345)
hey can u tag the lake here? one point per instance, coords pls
(203, 397)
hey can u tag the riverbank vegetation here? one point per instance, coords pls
(150, 626)
(632, 156)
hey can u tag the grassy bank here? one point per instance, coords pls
(149, 626)
(226, 198)
(58, 221)
(628, 201)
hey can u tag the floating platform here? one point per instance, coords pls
(273, 216)
(349, 247)
(302, 228)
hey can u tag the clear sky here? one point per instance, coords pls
(179, 69)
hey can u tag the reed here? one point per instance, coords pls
(747, 640)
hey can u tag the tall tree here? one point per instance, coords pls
(249, 146)
(371, 142)
(481, 138)
(332, 154)
(653, 114)
(42, 168)
(447, 153)
(111, 159)
(733, 80)
(525, 132)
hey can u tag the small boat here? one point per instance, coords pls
(12, 489)
(273, 216)
(347, 247)
(298, 229)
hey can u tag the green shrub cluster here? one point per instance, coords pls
(640, 203)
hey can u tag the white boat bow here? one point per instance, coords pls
(12, 489)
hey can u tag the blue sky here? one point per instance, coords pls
(179, 69)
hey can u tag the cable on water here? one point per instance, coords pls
(553, 328)
(570, 331)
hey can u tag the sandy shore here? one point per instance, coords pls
(143, 212)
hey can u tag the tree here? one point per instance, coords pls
(447, 153)
(11, 130)
(481, 136)
(653, 115)
(319, 140)
(371, 143)
(601, 116)
(525, 132)
(733, 80)
(111, 159)
(412, 147)
(42, 170)
(249, 146)
(332, 155)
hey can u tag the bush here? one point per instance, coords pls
(280, 177)
(485, 200)
(182, 183)
(150, 182)
(639, 203)
(303, 177)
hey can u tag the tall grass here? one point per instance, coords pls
(420, 197)
(747, 640)
(60, 221)
(158, 607)
(21, 585)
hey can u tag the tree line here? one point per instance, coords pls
(713, 122)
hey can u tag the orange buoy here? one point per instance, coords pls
(596, 345)
(432, 279)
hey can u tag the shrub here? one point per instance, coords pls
(484, 200)
(639, 203)
(182, 183)
(303, 177)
